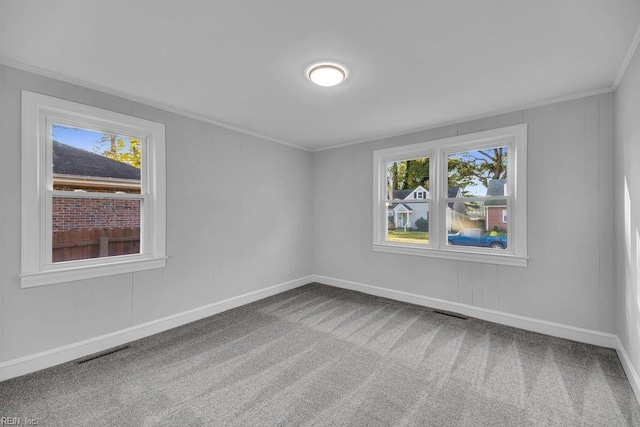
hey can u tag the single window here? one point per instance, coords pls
(99, 200)
(85, 162)
(473, 184)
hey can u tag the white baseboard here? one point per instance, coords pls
(46, 359)
(31, 363)
(541, 326)
(632, 374)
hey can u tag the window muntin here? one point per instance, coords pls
(455, 193)
(97, 176)
(407, 201)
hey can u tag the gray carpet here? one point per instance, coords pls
(318, 355)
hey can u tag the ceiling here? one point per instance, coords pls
(411, 64)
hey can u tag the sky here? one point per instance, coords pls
(80, 138)
(475, 189)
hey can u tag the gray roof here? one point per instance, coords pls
(453, 191)
(70, 160)
(401, 194)
(496, 188)
(393, 206)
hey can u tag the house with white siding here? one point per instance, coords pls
(414, 206)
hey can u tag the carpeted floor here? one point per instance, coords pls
(318, 355)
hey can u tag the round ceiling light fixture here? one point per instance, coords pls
(326, 74)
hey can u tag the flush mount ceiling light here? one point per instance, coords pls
(327, 75)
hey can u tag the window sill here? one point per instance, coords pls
(50, 277)
(455, 254)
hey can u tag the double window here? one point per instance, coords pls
(93, 192)
(468, 187)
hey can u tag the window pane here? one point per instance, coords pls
(92, 228)
(478, 173)
(479, 224)
(88, 160)
(408, 222)
(408, 179)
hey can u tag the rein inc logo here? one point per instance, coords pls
(18, 421)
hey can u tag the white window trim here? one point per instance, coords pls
(515, 137)
(38, 113)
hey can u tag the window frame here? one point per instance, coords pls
(39, 114)
(515, 138)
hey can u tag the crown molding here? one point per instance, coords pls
(79, 82)
(627, 59)
(493, 113)
(89, 85)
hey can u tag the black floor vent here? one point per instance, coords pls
(448, 313)
(99, 355)
(406, 305)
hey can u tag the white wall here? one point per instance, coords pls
(627, 211)
(238, 220)
(569, 279)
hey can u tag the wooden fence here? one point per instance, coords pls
(94, 243)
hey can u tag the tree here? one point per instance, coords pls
(119, 150)
(480, 166)
(417, 173)
(464, 170)
(408, 174)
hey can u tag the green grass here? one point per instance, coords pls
(419, 237)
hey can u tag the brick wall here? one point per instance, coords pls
(80, 214)
(494, 217)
